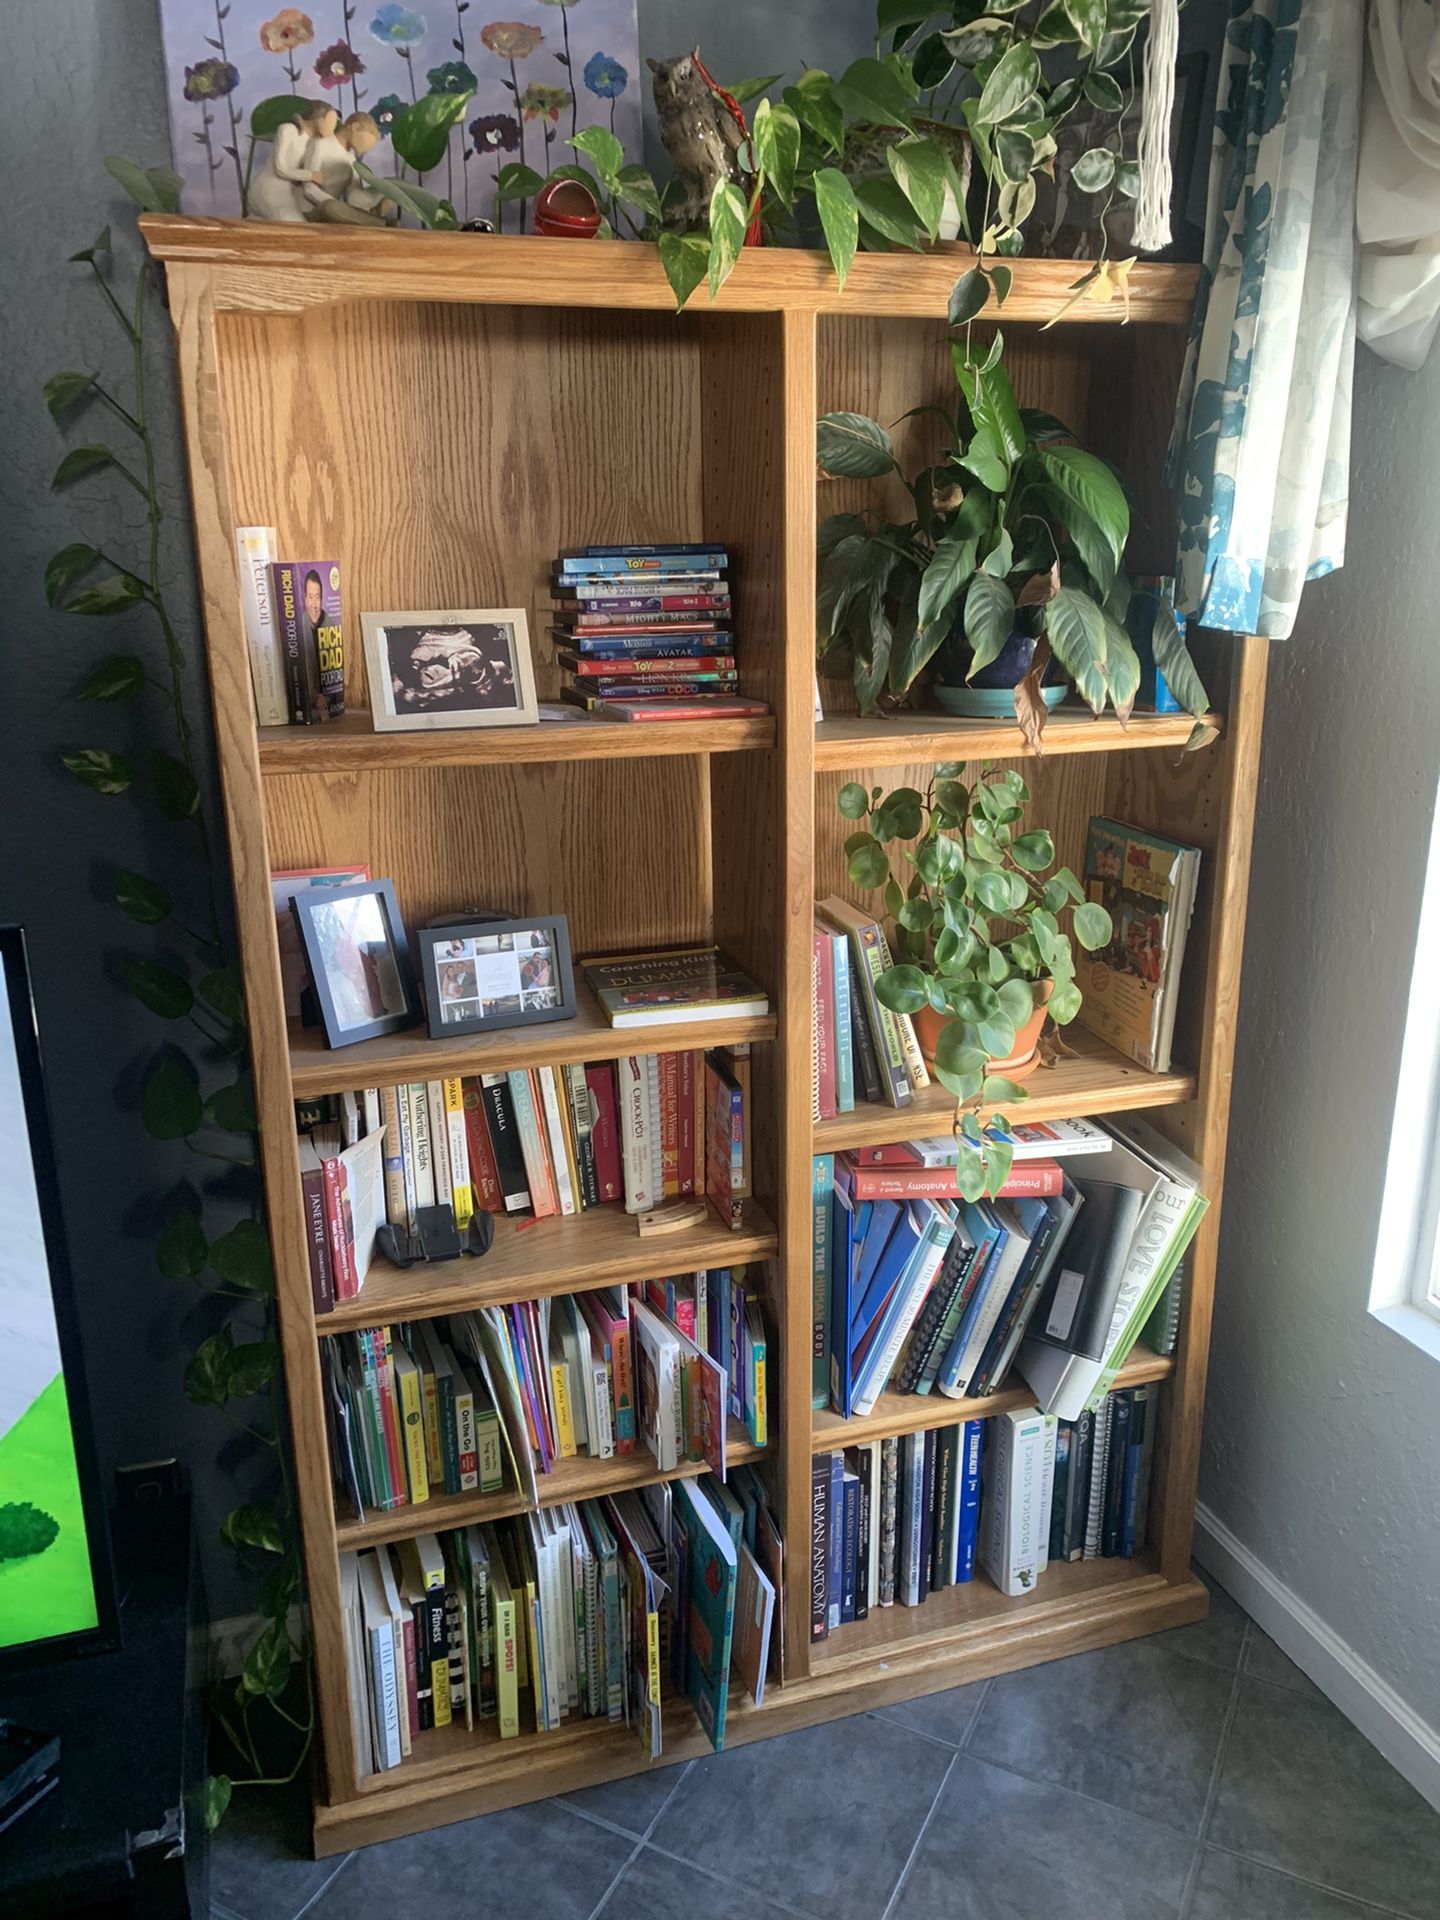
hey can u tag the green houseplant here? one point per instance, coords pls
(1015, 544)
(978, 931)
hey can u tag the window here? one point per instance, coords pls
(1405, 1288)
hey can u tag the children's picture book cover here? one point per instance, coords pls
(536, 81)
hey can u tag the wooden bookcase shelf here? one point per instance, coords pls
(1094, 1080)
(532, 1258)
(508, 397)
(352, 745)
(398, 1057)
(909, 738)
(915, 1412)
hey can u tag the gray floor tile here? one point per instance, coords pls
(1218, 1638)
(944, 1716)
(653, 1887)
(261, 1864)
(541, 1861)
(1229, 1888)
(631, 1803)
(1265, 1661)
(1300, 1789)
(822, 1820)
(1002, 1848)
(1136, 1725)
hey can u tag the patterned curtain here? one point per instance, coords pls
(1260, 454)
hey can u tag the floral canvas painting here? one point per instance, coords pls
(540, 75)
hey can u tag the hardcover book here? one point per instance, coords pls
(670, 988)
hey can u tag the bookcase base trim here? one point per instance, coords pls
(591, 1753)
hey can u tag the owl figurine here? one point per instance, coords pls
(700, 134)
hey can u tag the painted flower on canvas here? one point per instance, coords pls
(210, 80)
(452, 77)
(338, 64)
(495, 133)
(511, 39)
(544, 103)
(398, 27)
(387, 110)
(289, 29)
(605, 77)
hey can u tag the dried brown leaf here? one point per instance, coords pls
(1030, 708)
(1040, 587)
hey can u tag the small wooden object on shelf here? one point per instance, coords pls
(511, 392)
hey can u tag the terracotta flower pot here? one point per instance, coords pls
(567, 210)
(1020, 1063)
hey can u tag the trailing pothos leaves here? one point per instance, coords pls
(978, 931)
(196, 1090)
(1015, 530)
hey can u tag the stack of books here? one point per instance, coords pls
(862, 1051)
(646, 634)
(533, 1142)
(896, 1520)
(293, 632)
(499, 1398)
(595, 1609)
(914, 1293)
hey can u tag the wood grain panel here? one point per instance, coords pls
(351, 745)
(282, 269)
(622, 846)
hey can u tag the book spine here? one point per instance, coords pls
(1047, 1493)
(1130, 1479)
(393, 1159)
(864, 1536)
(849, 1543)
(835, 1541)
(912, 1518)
(317, 1240)
(560, 1401)
(686, 1066)
(342, 1266)
(635, 1135)
(484, 1174)
(822, 989)
(884, 1024)
(412, 1418)
(505, 1141)
(449, 1433)
(889, 1519)
(407, 1155)
(623, 1367)
(912, 1059)
(756, 1385)
(927, 1519)
(1095, 1495)
(968, 1532)
(462, 1193)
(668, 1072)
(385, 1696)
(844, 1028)
(862, 1039)
(821, 1229)
(1077, 1490)
(467, 1455)
(301, 675)
(942, 1562)
(253, 546)
(490, 1460)
(439, 1144)
(420, 1144)
(582, 1119)
(527, 1127)
(1114, 1516)
(1064, 1443)
(555, 1134)
(609, 1173)
(820, 1546)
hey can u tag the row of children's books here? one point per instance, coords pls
(540, 1141)
(862, 1051)
(896, 1520)
(647, 633)
(594, 1609)
(913, 1292)
(499, 1397)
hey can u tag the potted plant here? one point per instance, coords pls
(1011, 560)
(983, 957)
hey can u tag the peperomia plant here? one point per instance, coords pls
(1014, 530)
(978, 931)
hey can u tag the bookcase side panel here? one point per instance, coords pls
(759, 432)
(1206, 800)
(206, 432)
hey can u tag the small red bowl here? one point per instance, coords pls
(567, 210)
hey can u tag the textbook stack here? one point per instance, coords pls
(503, 1396)
(914, 1291)
(646, 633)
(594, 1609)
(863, 1051)
(894, 1521)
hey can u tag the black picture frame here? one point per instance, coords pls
(344, 998)
(460, 955)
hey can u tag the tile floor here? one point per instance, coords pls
(1197, 1775)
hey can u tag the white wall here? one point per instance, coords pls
(1322, 1428)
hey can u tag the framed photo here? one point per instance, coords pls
(481, 975)
(283, 889)
(354, 944)
(433, 670)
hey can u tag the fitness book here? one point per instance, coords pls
(668, 989)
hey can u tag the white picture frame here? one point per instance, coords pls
(407, 656)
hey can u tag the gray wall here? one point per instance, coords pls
(1322, 1427)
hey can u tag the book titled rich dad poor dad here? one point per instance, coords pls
(306, 599)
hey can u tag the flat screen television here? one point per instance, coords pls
(57, 1593)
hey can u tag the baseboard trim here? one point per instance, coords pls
(1369, 1702)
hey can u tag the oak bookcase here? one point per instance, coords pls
(442, 413)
